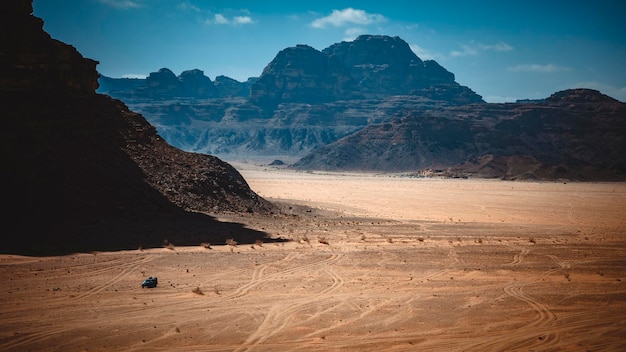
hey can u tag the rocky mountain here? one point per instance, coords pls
(165, 85)
(383, 66)
(303, 99)
(574, 134)
(83, 172)
(302, 74)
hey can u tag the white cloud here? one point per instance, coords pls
(549, 68)
(218, 18)
(242, 20)
(347, 16)
(122, 4)
(474, 48)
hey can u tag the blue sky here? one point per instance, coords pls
(503, 50)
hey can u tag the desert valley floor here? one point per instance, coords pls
(373, 263)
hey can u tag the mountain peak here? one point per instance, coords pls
(580, 95)
(301, 74)
(371, 66)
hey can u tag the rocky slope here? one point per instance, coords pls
(303, 99)
(82, 172)
(574, 134)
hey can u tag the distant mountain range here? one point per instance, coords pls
(373, 105)
(303, 99)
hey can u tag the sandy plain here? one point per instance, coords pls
(374, 263)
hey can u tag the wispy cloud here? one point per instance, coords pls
(242, 20)
(549, 68)
(122, 4)
(339, 18)
(474, 48)
(467, 50)
(219, 18)
(187, 6)
(500, 46)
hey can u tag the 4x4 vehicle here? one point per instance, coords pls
(150, 282)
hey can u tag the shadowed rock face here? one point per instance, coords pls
(32, 60)
(85, 173)
(575, 134)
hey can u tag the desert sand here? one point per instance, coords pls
(373, 263)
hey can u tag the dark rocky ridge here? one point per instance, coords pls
(85, 173)
(575, 134)
(164, 85)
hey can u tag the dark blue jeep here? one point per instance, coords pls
(149, 282)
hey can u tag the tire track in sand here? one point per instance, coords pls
(518, 258)
(532, 334)
(280, 315)
(127, 269)
(48, 332)
(258, 276)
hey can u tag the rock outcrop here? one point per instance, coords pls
(383, 65)
(228, 87)
(195, 84)
(302, 74)
(575, 134)
(85, 173)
